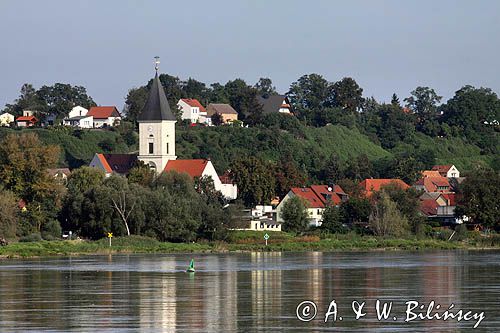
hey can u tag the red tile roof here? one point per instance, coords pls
(325, 195)
(194, 103)
(374, 185)
(431, 173)
(442, 169)
(429, 207)
(312, 200)
(194, 168)
(432, 184)
(27, 118)
(103, 112)
(451, 197)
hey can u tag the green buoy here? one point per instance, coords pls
(191, 267)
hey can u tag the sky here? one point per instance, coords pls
(387, 46)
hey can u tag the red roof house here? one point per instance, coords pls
(104, 116)
(433, 184)
(26, 121)
(194, 103)
(194, 168)
(374, 185)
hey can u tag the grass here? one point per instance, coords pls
(242, 241)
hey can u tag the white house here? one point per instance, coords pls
(316, 199)
(80, 121)
(192, 109)
(27, 119)
(274, 104)
(6, 119)
(197, 168)
(78, 111)
(449, 171)
(104, 116)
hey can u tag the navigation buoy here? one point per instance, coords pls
(191, 267)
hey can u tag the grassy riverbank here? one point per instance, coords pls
(240, 242)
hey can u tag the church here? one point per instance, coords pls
(157, 146)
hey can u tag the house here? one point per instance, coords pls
(449, 171)
(316, 198)
(433, 184)
(259, 218)
(50, 120)
(430, 173)
(104, 116)
(59, 174)
(78, 117)
(440, 207)
(374, 185)
(197, 168)
(114, 163)
(274, 104)
(80, 122)
(27, 119)
(157, 146)
(6, 119)
(192, 110)
(225, 110)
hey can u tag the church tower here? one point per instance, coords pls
(156, 128)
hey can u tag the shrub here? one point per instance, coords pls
(31, 238)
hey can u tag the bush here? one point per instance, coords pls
(51, 230)
(31, 238)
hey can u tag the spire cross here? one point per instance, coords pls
(157, 63)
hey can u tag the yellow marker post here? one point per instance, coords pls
(110, 235)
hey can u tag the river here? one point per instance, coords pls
(249, 292)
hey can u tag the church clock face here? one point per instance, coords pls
(150, 129)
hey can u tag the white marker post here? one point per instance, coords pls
(266, 237)
(110, 235)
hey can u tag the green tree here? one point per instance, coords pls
(265, 87)
(83, 179)
(217, 119)
(8, 214)
(355, 210)
(255, 180)
(423, 102)
(478, 198)
(386, 219)
(287, 175)
(395, 100)
(134, 102)
(333, 170)
(295, 216)
(332, 220)
(60, 98)
(348, 95)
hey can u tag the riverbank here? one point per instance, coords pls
(245, 242)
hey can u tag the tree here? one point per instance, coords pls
(243, 99)
(348, 95)
(294, 214)
(255, 180)
(217, 119)
(134, 102)
(355, 210)
(309, 95)
(60, 98)
(478, 198)
(8, 214)
(395, 100)
(474, 113)
(84, 178)
(333, 171)
(24, 161)
(332, 220)
(385, 218)
(423, 102)
(265, 87)
(141, 174)
(287, 175)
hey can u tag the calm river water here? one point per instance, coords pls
(249, 292)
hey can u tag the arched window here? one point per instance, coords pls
(152, 166)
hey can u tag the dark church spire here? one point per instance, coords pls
(156, 107)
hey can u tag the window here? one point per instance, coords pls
(167, 147)
(151, 149)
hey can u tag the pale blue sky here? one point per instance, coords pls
(386, 46)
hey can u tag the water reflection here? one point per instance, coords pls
(254, 292)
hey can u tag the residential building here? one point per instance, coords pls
(449, 171)
(259, 218)
(433, 184)
(440, 207)
(104, 116)
(27, 119)
(374, 185)
(6, 119)
(198, 168)
(225, 110)
(274, 104)
(78, 117)
(192, 110)
(316, 199)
